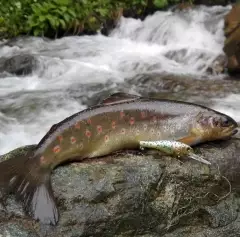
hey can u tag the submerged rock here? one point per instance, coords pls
(219, 65)
(232, 42)
(19, 64)
(141, 193)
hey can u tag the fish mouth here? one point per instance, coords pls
(235, 131)
(228, 132)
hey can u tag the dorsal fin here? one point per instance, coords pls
(119, 97)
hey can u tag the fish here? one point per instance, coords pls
(117, 123)
(173, 148)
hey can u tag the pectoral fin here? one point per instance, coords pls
(190, 140)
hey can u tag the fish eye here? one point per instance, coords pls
(225, 122)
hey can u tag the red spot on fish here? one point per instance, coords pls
(123, 131)
(143, 114)
(56, 149)
(106, 138)
(60, 138)
(132, 120)
(113, 124)
(77, 125)
(99, 129)
(88, 133)
(73, 140)
(89, 121)
(122, 114)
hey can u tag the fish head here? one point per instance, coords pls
(212, 125)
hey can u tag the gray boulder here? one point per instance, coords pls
(22, 64)
(140, 193)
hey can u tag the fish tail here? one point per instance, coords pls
(30, 182)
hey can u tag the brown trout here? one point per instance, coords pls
(120, 122)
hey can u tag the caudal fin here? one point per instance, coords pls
(30, 182)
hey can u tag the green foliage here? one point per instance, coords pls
(55, 18)
(53, 15)
(160, 3)
(12, 15)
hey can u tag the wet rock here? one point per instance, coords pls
(184, 88)
(232, 42)
(165, 86)
(140, 194)
(219, 65)
(19, 64)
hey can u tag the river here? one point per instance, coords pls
(73, 70)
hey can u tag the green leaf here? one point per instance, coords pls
(42, 18)
(36, 7)
(63, 9)
(160, 3)
(57, 11)
(37, 32)
(103, 11)
(66, 17)
(63, 24)
(18, 5)
(51, 21)
(62, 2)
(71, 12)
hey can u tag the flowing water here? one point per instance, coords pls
(73, 70)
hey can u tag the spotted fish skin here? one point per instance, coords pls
(119, 122)
(103, 129)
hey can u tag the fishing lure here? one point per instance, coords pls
(173, 148)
